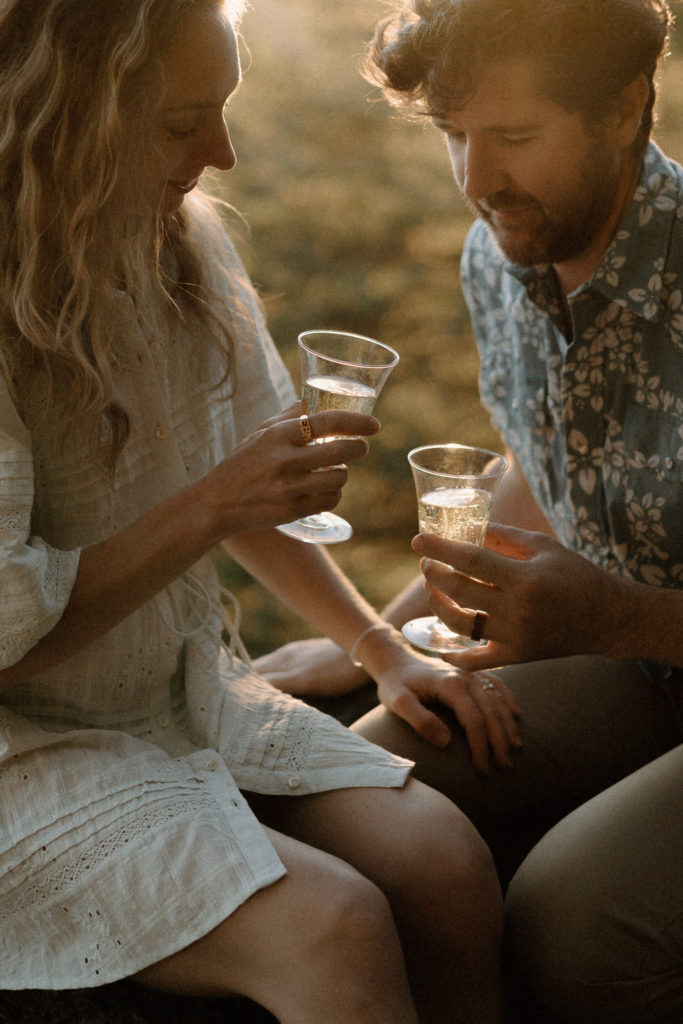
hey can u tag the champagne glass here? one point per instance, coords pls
(455, 486)
(339, 371)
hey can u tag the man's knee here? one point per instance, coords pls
(581, 947)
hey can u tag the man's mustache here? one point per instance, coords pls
(508, 202)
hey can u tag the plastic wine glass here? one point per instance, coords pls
(339, 370)
(455, 484)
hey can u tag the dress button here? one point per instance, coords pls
(294, 781)
(669, 463)
(163, 720)
(155, 348)
(212, 765)
(161, 433)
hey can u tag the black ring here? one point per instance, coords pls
(478, 626)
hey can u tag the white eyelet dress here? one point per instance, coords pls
(123, 832)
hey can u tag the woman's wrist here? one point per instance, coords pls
(376, 627)
(376, 646)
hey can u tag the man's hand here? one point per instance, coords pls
(540, 599)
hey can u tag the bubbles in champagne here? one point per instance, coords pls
(327, 392)
(456, 513)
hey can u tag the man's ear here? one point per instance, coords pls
(630, 105)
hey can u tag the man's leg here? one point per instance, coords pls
(595, 913)
(585, 722)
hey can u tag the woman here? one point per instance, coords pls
(147, 774)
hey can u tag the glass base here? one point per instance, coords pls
(431, 634)
(323, 528)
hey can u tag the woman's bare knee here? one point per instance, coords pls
(316, 943)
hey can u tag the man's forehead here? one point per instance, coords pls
(501, 91)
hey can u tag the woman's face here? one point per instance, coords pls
(202, 71)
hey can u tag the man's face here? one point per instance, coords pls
(545, 185)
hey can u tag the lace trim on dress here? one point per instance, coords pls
(12, 521)
(299, 753)
(48, 883)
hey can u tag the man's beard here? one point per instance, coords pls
(564, 232)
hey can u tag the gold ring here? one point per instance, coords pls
(306, 431)
(478, 626)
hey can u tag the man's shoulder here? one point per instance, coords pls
(660, 189)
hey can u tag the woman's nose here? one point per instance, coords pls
(225, 158)
(219, 152)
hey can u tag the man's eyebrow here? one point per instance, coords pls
(514, 128)
(511, 128)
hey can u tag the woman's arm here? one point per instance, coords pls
(408, 682)
(271, 477)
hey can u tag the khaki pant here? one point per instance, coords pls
(595, 912)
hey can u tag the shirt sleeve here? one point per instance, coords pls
(35, 579)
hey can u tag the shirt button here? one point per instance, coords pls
(155, 348)
(669, 463)
(294, 781)
(212, 765)
(162, 721)
(161, 433)
(169, 638)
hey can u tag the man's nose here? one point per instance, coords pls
(480, 171)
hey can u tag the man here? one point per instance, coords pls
(573, 273)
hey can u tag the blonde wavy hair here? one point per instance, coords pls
(78, 89)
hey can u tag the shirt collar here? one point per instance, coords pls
(633, 268)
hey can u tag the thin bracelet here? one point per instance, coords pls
(359, 639)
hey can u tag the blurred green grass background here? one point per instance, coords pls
(350, 219)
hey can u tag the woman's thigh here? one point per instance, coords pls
(390, 835)
(585, 724)
(289, 937)
(595, 913)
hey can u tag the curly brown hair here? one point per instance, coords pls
(427, 54)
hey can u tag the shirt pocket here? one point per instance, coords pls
(653, 448)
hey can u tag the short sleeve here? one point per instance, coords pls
(35, 578)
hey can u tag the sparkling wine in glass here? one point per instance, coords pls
(338, 371)
(455, 486)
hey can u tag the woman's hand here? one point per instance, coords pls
(410, 685)
(540, 599)
(274, 476)
(414, 686)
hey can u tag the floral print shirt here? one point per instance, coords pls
(596, 417)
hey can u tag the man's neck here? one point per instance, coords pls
(573, 273)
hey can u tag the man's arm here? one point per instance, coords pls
(514, 503)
